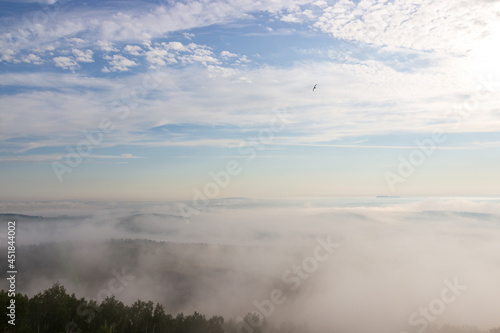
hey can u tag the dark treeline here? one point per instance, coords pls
(55, 311)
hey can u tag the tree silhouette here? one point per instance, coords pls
(54, 311)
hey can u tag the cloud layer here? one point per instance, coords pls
(218, 69)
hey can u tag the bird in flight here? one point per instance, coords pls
(314, 88)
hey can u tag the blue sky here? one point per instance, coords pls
(142, 100)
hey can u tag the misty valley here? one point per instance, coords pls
(336, 265)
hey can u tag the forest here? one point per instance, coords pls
(54, 310)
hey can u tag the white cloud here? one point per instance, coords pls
(8, 55)
(77, 40)
(290, 18)
(243, 60)
(158, 56)
(45, 2)
(161, 54)
(133, 50)
(37, 32)
(199, 53)
(45, 48)
(320, 3)
(221, 71)
(32, 158)
(120, 63)
(83, 56)
(420, 25)
(65, 62)
(108, 26)
(33, 59)
(227, 54)
(126, 156)
(308, 13)
(188, 35)
(176, 46)
(47, 80)
(406, 101)
(57, 157)
(297, 14)
(106, 46)
(370, 90)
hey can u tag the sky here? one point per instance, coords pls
(197, 100)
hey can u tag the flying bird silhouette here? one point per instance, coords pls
(314, 88)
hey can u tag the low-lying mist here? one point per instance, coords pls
(343, 265)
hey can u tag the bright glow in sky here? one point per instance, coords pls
(143, 100)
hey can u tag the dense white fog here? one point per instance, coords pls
(356, 265)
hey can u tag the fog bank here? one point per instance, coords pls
(397, 264)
